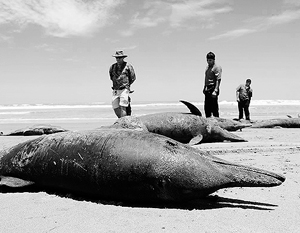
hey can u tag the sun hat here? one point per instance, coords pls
(119, 53)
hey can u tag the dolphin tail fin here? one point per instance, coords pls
(225, 135)
(193, 109)
(14, 182)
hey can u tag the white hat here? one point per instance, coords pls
(119, 53)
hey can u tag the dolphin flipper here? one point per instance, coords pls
(225, 135)
(14, 182)
(194, 110)
(196, 140)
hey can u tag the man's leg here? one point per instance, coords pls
(207, 106)
(122, 111)
(128, 109)
(124, 103)
(116, 104)
(240, 107)
(246, 107)
(117, 112)
(215, 106)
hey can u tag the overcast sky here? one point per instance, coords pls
(59, 51)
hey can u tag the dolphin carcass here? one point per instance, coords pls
(36, 130)
(289, 122)
(129, 165)
(189, 128)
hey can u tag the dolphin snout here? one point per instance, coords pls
(245, 176)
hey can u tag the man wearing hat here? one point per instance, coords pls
(211, 88)
(122, 76)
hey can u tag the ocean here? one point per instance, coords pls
(90, 116)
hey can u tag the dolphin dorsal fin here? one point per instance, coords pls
(194, 110)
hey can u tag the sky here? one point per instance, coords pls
(60, 51)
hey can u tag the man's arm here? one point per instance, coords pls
(238, 93)
(204, 87)
(110, 72)
(218, 82)
(218, 73)
(132, 77)
(250, 93)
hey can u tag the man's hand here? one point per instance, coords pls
(214, 94)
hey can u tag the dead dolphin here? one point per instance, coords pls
(36, 130)
(127, 122)
(228, 124)
(279, 122)
(189, 128)
(126, 165)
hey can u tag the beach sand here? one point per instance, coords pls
(275, 209)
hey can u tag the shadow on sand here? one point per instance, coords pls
(209, 202)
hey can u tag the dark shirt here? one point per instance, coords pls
(212, 74)
(244, 92)
(122, 76)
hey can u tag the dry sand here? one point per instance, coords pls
(275, 209)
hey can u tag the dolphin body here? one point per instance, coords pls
(228, 124)
(189, 128)
(36, 130)
(279, 122)
(124, 165)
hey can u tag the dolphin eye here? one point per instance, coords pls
(171, 143)
(171, 146)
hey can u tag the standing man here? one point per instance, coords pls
(211, 88)
(243, 97)
(122, 76)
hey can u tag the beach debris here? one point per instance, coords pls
(124, 165)
(189, 128)
(36, 130)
